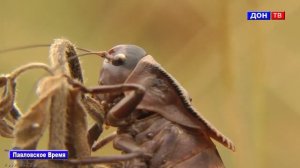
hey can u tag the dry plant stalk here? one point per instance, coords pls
(60, 105)
(68, 123)
(30, 128)
(6, 105)
(7, 100)
(8, 109)
(5, 129)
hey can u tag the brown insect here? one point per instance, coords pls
(153, 114)
(156, 123)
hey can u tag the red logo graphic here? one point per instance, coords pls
(278, 15)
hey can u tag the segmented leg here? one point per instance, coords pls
(116, 116)
(123, 108)
(104, 141)
(94, 133)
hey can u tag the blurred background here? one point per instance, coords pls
(242, 75)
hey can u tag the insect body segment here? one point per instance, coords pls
(163, 120)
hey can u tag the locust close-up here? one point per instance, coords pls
(156, 124)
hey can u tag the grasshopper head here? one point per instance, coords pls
(122, 60)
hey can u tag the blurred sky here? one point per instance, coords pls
(242, 75)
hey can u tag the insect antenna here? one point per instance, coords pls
(33, 46)
(76, 56)
(23, 48)
(49, 69)
(115, 60)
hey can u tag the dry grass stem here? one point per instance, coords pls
(61, 105)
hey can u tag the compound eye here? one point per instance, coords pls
(119, 59)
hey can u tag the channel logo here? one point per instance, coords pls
(265, 15)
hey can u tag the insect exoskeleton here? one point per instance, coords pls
(153, 113)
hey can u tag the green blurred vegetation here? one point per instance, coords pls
(241, 75)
